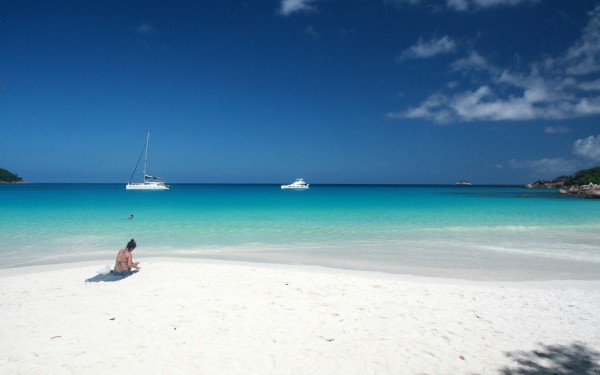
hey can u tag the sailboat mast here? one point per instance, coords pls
(146, 157)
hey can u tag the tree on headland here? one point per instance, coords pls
(8, 177)
(586, 176)
(580, 178)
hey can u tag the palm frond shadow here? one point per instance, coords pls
(574, 359)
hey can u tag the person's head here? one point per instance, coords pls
(131, 245)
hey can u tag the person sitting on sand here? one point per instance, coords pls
(124, 262)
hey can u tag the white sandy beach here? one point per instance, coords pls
(211, 317)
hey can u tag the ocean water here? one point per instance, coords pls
(473, 232)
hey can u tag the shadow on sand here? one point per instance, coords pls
(108, 278)
(574, 359)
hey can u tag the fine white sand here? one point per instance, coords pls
(210, 317)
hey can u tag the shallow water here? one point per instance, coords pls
(455, 231)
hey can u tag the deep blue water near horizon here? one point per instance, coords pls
(482, 232)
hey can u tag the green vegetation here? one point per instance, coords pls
(586, 176)
(7, 177)
(581, 178)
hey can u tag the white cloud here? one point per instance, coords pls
(559, 129)
(588, 148)
(587, 107)
(293, 6)
(472, 62)
(483, 104)
(427, 49)
(432, 109)
(557, 88)
(590, 86)
(583, 57)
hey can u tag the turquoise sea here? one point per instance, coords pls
(481, 232)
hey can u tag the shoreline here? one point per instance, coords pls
(222, 317)
(335, 265)
(583, 284)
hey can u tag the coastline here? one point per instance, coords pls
(586, 271)
(233, 317)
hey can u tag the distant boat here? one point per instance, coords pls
(299, 184)
(150, 182)
(465, 183)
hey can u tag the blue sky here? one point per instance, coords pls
(365, 91)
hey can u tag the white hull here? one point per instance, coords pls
(299, 184)
(146, 186)
(295, 187)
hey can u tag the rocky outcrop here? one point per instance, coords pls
(557, 183)
(573, 185)
(589, 191)
(14, 182)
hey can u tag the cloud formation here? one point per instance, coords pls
(427, 49)
(588, 148)
(562, 87)
(289, 7)
(557, 129)
(472, 62)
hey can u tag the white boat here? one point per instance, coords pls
(464, 183)
(150, 182)
(299, 184)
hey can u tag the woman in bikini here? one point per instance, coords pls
(124, 262)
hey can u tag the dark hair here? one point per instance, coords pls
(131, 244)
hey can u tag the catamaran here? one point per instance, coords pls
(150, 182)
